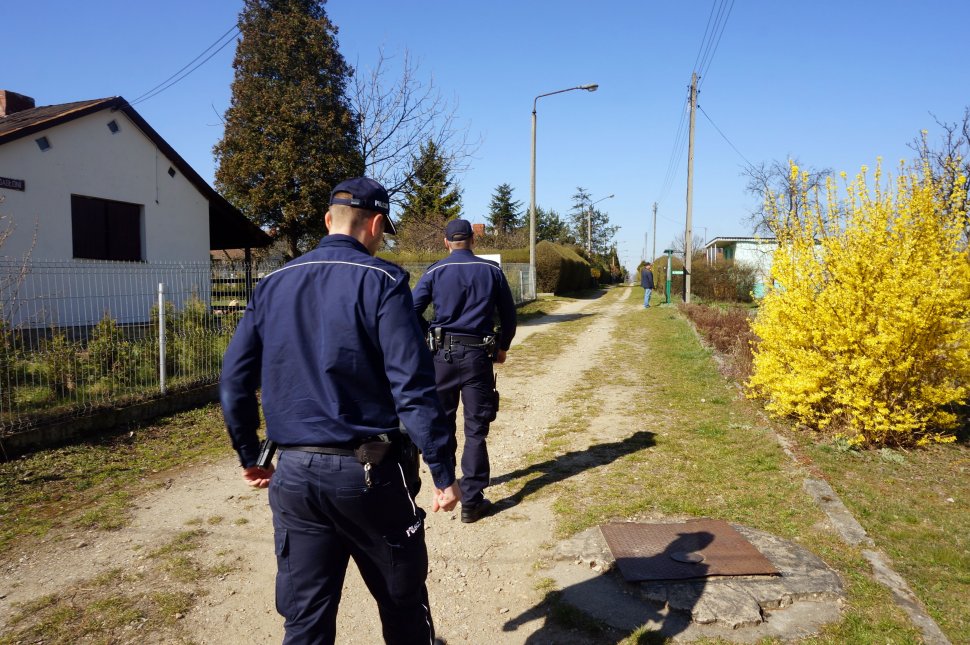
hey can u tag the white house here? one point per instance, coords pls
(91, 188)
(755, 252)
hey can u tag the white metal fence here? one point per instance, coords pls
(78, 336)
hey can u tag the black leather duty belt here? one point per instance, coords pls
(464, 339)
(344, 449)
(321, 450)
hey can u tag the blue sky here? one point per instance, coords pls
(835, 84)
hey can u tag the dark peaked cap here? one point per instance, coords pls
(458, 230)
(367, 194)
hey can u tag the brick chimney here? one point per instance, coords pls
(478, 230)
(11, 102)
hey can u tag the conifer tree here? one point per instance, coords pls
(431, 198)
(552, 228)
(504, 213)
(602, 230)
(290, 135)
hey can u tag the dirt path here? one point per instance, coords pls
(482, 581)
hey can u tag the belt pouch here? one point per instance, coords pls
(373, 452)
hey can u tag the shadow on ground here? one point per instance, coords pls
(569, 464)
(600, 595)
(552, 318)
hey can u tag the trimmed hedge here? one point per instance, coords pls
(559, 269)
(410, 257)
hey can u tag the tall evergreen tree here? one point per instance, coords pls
(431, 198)
(504, 213)
(602, 230)
(551, 227)
(290, 135)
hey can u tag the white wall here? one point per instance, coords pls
(757, 255)
(86, 158)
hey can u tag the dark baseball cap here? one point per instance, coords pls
(458, 230)
(367, 194)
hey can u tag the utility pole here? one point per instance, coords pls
(690, 187)
(654, 256)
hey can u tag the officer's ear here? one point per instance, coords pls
(378, 224)
(328, 220)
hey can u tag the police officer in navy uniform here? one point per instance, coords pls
(466, 292)
(332, 340)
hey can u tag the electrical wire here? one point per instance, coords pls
(707, 29)
(713, 32)
(706, 62)
(228, 36)
(675, 156)
(706, 115)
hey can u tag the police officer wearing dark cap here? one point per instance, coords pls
(467, 292)
(330, 339)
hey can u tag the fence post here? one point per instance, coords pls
(161, 336)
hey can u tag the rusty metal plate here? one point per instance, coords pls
(683, 550)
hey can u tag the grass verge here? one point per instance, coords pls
(89, 485)
(117, 605)
(915, 504)
(916, 507)
(692, 448)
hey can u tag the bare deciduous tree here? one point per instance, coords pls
(950, 160)
(773, 180)
(398, 114)
(14, 270)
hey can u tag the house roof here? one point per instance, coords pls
(719, 242)
(228, 227)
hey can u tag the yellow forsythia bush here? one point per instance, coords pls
(866, 331)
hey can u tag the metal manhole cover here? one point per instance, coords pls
(683, 550)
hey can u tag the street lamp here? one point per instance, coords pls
(589, 225)
(532, 199)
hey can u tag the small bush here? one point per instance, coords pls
(60, 364)
(109, 355)
(728, 330)
(723, 281)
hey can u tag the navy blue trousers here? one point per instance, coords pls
(466, 373)
(324, 514)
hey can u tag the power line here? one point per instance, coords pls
(706, 64)
(169, 82)
(707, 28)
(676, 154)
(725, 136)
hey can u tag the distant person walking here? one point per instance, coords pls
(467, 292)
(646, 281)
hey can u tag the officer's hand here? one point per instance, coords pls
(258, 477)
(446, 499)
(501, 356)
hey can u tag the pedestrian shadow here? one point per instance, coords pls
(567, 465)
(599, 606)
(553, 318)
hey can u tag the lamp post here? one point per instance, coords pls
(532, 192)
(589, 225)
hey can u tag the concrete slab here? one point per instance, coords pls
(806, 596)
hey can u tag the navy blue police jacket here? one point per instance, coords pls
(332, 341)
(466, 291)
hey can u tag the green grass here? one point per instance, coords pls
(692, 447)
(902, 500)
(105, 608)
(91, 485)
